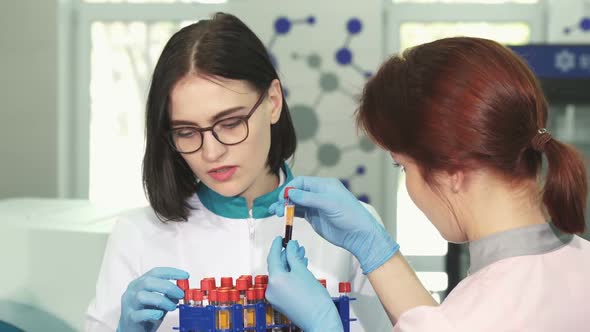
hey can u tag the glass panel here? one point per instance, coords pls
(415, 234)
(122, 59)
(415, 33)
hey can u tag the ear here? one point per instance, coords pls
(275, 95)
(457, 181)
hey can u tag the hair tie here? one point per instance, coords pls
(540, 140)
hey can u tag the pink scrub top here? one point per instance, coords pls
(527, 279)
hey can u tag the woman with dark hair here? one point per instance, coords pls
(465, 119)
(218, 133)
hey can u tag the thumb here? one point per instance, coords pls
(273, 260)
(295, 259)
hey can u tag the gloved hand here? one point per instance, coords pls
(338, 216)
(294, 291)
(148, 298)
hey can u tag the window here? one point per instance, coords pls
(117, 45)
(509, 33)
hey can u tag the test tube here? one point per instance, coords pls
(242, 286)
(206, 286)
(344, 288)
(261, 291)
(223, 311)
(250, 312)
(289, 215)
(234, 296)
(183, 284)
(213, 296)
(197, 297)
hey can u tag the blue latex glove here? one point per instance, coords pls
(148, 298)
(337, 215)
(294, 291)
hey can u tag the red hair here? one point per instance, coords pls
(464, 103)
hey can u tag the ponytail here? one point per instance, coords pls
(566, 187)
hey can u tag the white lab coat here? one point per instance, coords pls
(209, 245)
(522, 280)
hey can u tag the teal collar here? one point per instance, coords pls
(235, 207)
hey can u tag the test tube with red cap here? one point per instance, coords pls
(323, 282)
(196, 297)
(183, 284)
(234, 296)
(261, 280)
(213, 296)
(250, 312)
(242, 285)
(207, 284)
(344, 288)
(289, 215)
(223, 311)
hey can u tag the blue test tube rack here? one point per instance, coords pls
(202, 319)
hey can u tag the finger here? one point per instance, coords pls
(301, 252)
(165, 287)
(293, 259)
(169, 273)
(309, 199)
(273, 260)
(277, 209)
(145, 315)
(155, 300)
(308, 183)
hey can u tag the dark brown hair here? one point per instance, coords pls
(221, 46)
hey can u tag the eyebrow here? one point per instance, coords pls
(214, 119)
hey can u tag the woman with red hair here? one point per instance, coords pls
(465, 118)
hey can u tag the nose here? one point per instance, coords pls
(212, 149)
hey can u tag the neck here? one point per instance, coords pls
(500, 207)
(264, 183)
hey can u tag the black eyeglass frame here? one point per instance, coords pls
(202, 131)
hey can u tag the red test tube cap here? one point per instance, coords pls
(323, 282)
(260, 280)
(344, 287)
(260, 293)
(182, 284)
(223, 295)
(286, 194)
(247, 277)
(196, 294)
(213, 295)
(251, 294)
(227, 282)
(242, 284)
(234, 295)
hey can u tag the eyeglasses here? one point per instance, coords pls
(229, 131)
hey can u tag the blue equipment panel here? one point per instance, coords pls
(557, 61)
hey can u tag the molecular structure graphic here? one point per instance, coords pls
(583, 25)
(305, 116)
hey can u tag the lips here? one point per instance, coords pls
(223, 173)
